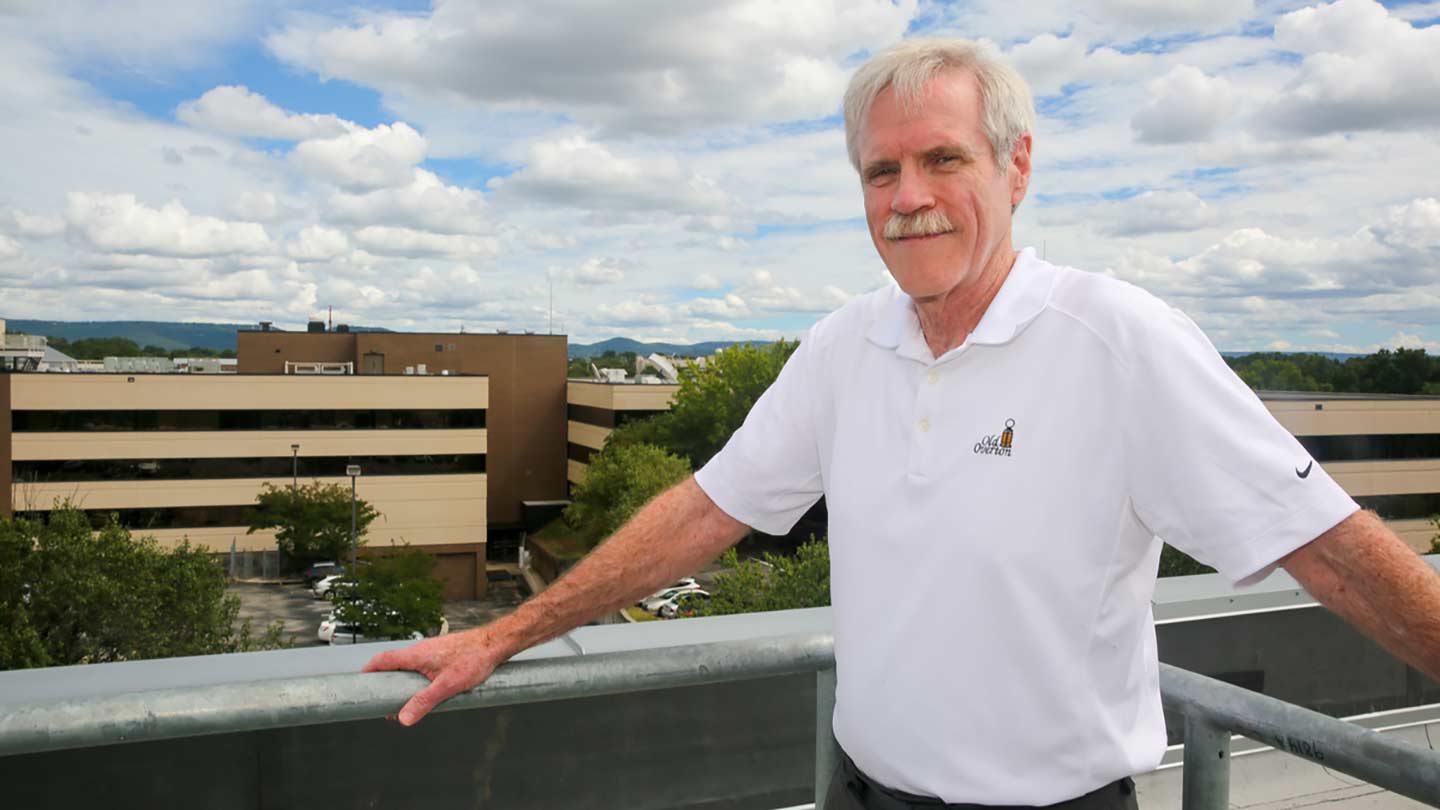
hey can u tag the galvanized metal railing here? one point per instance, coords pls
(1212, 710)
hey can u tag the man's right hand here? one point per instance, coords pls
(454, 663)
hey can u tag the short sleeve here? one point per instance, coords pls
(1210, 470)
(768, 474)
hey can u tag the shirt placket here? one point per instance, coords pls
(927, 421)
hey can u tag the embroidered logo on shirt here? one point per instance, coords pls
(1306, 473)
(1001, 445)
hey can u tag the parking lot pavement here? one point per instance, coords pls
(293, 604)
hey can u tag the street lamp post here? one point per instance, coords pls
(352, 470)
(294, 467)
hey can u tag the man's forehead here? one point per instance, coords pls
(943, 114)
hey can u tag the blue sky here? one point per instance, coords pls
(678, 172)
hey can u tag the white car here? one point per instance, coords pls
(683, 604)
(653, 602)
(324, 586)
(333, 632)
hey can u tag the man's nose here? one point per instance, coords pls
(912, 193)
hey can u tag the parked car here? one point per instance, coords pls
(653, 602)
(319, 571)
(350, 634)
(323, 586)
(685, 603)
(332, 631)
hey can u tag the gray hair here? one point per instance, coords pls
(1007, 110)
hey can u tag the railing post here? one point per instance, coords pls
(827, 751)
(1207, 766)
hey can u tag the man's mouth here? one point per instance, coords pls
(922, 237)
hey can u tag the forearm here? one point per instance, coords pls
(672, 536)
(1369, 577)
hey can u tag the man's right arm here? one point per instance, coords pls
(672, 536)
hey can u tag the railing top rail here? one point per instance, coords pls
(1345, 747)
(82, 722)
(227, 708)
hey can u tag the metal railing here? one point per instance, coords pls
(1212, 710)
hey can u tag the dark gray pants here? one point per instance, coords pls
(850, 789)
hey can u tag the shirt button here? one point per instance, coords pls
(924, 425)
(933, 377)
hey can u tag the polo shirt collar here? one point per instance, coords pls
(1021, 298)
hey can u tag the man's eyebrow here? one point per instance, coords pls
(951, 149)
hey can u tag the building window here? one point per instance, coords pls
(1415, 506)
(307, 467)
(72, 421)
(579, 452)
(439, 347)
(179, 517)
(1380, 447)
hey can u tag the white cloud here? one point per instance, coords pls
(256, 206)
(425, 202)
(602, 270)
(363, 159)
(632, 313)
(730, 306)
(141, 35)
(1174, 14)
(1161, 212)
(761, 291)
(391, 241)
(1414, 226)
(705, 281)
(695, 65)
(1185, 105)
(578, 173)
(121, 224)
(1364, 69)
(9, 248)
(317, 244)
(37, 225)
(1049, 63)
(236, 110)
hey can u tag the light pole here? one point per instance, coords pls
(294, 467)
(352, 470)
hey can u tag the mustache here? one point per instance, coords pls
(925, 223)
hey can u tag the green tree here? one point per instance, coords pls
(1277, 374)
(73, 595)
(779, 582)
(580, 366)
(312, 520)
(1176, 563)
(393, 596)
(712, 401)
(621, 479)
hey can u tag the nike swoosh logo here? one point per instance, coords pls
(1306, 473)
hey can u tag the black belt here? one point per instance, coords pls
(874, 796)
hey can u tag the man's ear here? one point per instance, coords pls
(1020, 166)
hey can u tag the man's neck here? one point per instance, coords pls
(948, 319)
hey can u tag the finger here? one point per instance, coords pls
(427, 699)
(389, 661)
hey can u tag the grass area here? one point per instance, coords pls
(640, 614)
(560, 541)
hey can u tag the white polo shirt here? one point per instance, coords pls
(994, 517)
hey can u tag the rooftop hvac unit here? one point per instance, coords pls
(420, 369)
(410, 370)
(342, 328)
(315, 326)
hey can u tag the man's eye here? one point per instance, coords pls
(879, 174)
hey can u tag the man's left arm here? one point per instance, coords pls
(1360, 570)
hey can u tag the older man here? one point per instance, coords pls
(1014, 436)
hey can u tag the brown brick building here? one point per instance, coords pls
(526, 415)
